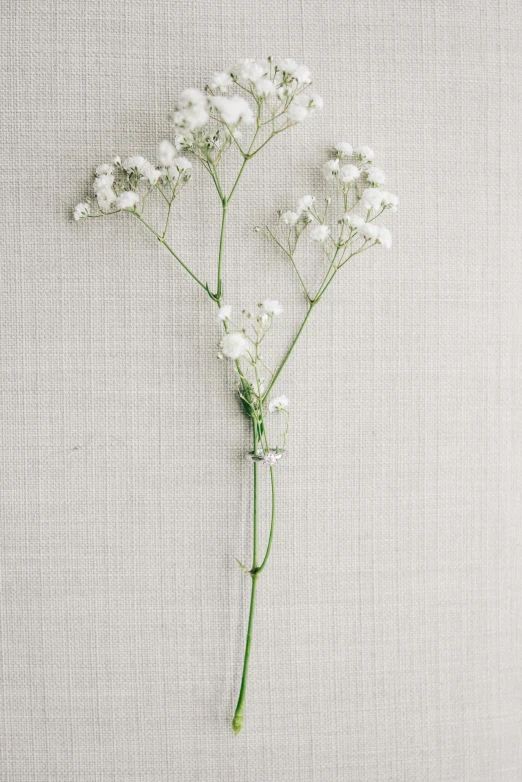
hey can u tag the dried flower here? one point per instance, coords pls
(271, 307)
(278, 403)
(320, 233)
(225, 312)
(234, 345)
(81, 211)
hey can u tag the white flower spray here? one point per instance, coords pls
(242, 109)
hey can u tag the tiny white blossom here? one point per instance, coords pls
(320, 233)
(126, 200)
(297, 113)
(354, 221)
(191, 98)
(305, 203)
(288, 66)
(290, 218)
(271, 307)
(371, 198)
(103, 182)
(349, 173)
(105, 199)
(225, 312)
(302, 75)
(151, 174)
(285, 92)
(249, 70)
(278, 403)
(183, 141)
(182, 164)
(105, 168)
(390, 201)
(116, 160)
(344, 149)
(384, 237)
(376, 176)
(81, 210)
(331, 169)
(364, 154)
(136, 163)
(220, 82)
(233, 110)
(234, 345)
(316, 102)
(368, 231)
(166, 152)
(264, 88)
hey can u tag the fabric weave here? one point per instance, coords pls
(388, 635)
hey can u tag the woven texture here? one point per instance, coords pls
(388, 639)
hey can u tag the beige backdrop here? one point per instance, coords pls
(388, 641)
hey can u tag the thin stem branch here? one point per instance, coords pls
(289, 351)
(171, 251)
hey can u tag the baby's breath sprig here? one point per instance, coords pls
(239, 112)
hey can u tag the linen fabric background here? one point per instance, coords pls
(388, 633)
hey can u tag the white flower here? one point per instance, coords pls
(126, 200)
(191, 98)
(264, 88)
(288, 66)
(320, 233)
(384, 237)
(234, 345)
(302, 75)
(233, 110)
(297, 113)
(249, 70)
(151, 174)
(371, 198)
(220, 82)
(349, 173)
(354, 221)
(116, 160)
(182, 164)
(376, 176)
(305, 203)
(166, 152)
(183, 141)
(285, 92)
(344, 149)
(290, 218)
(105, 168)
(368, 231)
(195, 115)
(364, 154)
(271, 307)
(225, 312)
(81, 210)
(103, 182)
(136, 163)
(331, 169)
(278, 403)
(105, 199)
(390, 201)
(316, 102)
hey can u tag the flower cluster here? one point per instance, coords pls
(122, 184)
(208, 122)
(359, 184)
(241, 344)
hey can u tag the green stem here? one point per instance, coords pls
(290, 349)
(171, 251)
(219, 291)
(272, 521)
(237, 721)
